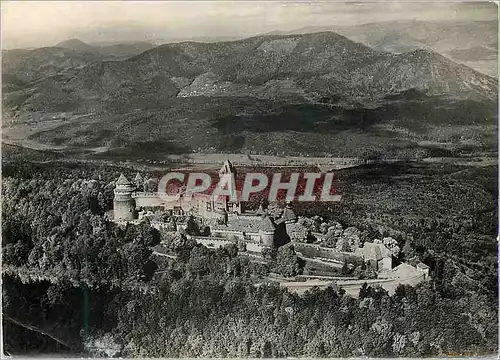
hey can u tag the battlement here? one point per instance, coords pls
(125, 222)
(137, 194)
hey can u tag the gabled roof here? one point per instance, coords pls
(371, 251)
(248, 223)
(122, 180)
(405, 271)
(421, 265)
(279, 221)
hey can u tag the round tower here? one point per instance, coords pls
(123, 203)
(266, 231)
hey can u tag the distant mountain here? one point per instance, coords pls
(123, 50)
(307, 66)
(449, 38)
(74, 44)
(113, 51)
(293, 93)
(29, 65)
(475, 53)
(44, 62)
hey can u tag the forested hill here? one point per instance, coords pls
(473, 43)
(204, 303)
(308, 66)
(315, 94)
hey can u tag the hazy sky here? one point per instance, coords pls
(44, 23)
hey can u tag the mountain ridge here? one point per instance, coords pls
(444, 37)
(309, 67)
(311, 91)
(308, 60)
(29, 65)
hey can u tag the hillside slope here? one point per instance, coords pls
(308, 66)
(473, 43)
(30, 65)
(315, 93)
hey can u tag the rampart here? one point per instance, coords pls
(352, 287)
(217, 241)
(320, 252)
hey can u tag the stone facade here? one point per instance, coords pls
(376, 256)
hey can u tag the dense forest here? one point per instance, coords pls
(92, 286)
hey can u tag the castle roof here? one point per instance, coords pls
(138, 178)
(405, 271)
(372, 251)
(210, 197)
(421, 265)
(288, 214)
(267, 223)
(248, 223)
(122, 180)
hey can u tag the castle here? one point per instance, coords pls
(254, 232)
(230, 222)
(128, 200)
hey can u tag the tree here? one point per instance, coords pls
(143, 233)
(345, 268)
(173, 240)
(287, 262)
(137, 255)
(333, 233)
(192, 227)
(150, 185)
(349, 241)
(408, 250)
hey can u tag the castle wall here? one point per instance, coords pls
(158, 225)
(217, 241)
(267, 239)
(254, 237)
(212, 243)
(315, 251)
(203, 207)
(385, 263)
(228, 234)
(148, 201)
(125, 222)
(252, 247)
(352, 287)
